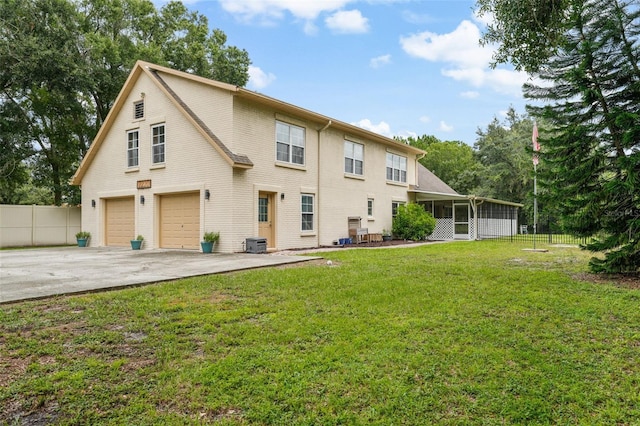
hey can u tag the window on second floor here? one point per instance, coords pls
(132, 148)
(353, 158)
(396, 168)
(158, 144)
(290, 143)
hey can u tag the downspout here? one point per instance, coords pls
(318, 177)
(418, 158)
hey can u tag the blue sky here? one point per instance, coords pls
(396, 67)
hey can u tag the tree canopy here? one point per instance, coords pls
(64, 63)
(527, 32)
(587, 91)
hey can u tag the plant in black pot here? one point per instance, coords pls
(386, 235)
(209, 240)
(137, 243)
(82, 238)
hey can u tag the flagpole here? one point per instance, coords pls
(536, 148)
(535, 203)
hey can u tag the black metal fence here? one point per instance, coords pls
(506, 226)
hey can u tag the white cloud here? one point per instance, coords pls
(258, 79)
(445, 127)
(471, 94)
(268, 11)
(459, 47)
(310, 28)
(425, 119)
(416, 18)
(379, 61)
(464, 58)
(347, 22)
(381, 128)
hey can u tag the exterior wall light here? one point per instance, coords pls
(282, 196)
(93, 203)
(207, 194)
(142, 200)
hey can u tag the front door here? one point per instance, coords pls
(266, 218)
(461, 221)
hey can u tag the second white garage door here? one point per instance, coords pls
(180, 220)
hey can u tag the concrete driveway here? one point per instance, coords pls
(35, 273)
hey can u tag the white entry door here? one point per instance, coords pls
(461, 221)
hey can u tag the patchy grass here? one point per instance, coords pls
(460, 333)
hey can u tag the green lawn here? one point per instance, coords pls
(459, 333)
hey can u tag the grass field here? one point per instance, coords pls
(459, 333)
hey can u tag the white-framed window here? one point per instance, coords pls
(394, 207)
(396, 168)
(132, 148)
(290, 143)
(158, 144)
(138, 110)
(353, 158)
(306, 209)
(370, 207)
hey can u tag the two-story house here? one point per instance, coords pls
(179, 155)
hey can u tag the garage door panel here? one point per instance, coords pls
(180, 221)
(119, 221)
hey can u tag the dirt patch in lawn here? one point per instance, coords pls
(631, 281)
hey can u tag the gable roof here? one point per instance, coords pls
(235, 160)
(435, 189)
(429, 182)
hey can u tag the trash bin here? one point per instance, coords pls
(256, 245)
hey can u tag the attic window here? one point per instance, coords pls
(138, 110)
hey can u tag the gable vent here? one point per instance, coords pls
(138, 110)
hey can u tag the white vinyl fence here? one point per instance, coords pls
(22, 226)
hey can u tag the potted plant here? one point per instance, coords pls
(386, 235)
(82, 237)
(209, 240)
(137, 243)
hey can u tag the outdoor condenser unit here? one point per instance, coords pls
(256, 245)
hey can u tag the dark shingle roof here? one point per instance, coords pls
(429, 182)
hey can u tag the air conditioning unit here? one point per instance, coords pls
(256, 245)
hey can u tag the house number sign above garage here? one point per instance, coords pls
(144, 184)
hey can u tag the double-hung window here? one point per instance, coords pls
(132, 148)
(157, 144)
(396, 168)
(306, 208)
(394, 207)
(353, 158)
(289, 143)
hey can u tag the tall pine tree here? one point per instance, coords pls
(591, 150)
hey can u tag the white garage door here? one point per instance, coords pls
(180, 221)
(120, 221)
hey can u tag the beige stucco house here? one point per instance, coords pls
(179, 155)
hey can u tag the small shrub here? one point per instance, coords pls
(413, 223)
(83, 235)
(211, 237)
